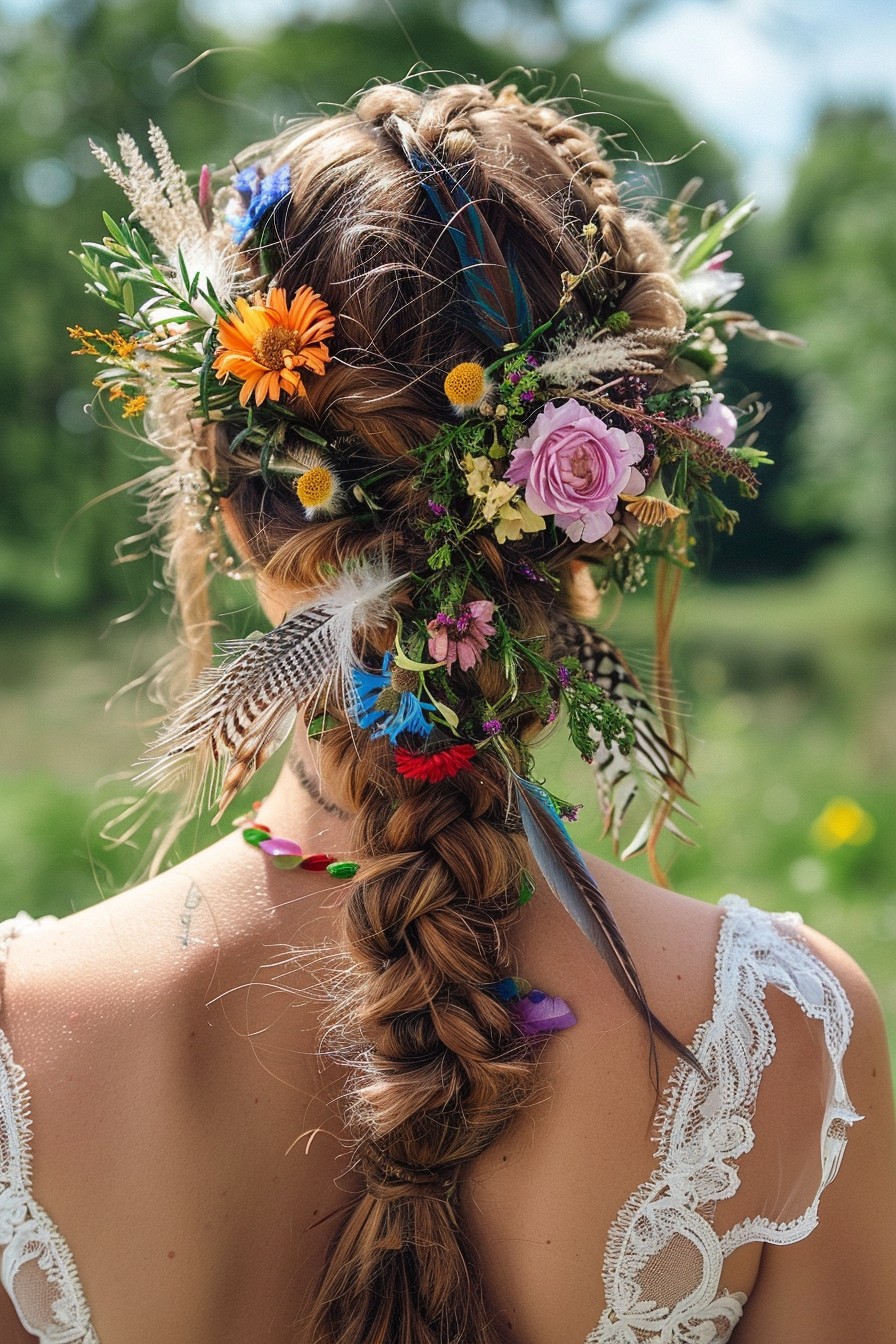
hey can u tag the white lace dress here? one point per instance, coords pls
(666, 1249)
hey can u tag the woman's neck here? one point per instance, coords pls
(298, 807)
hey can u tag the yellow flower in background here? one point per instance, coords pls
(843, 822)
(267, 344)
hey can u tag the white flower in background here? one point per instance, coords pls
(709, 286)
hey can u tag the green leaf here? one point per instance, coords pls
(305, 433)
(319, 725)
(264, 459)
(704, 246)
(447, 714)
(115, 230)
(526, 890)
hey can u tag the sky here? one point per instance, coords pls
(755, 72)
(752, 72)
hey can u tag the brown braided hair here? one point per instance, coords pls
(437, 1068)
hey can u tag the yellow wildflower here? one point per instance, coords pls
(497, 496)
(120, 346)
(133, 406)
(843, 822)
(479, 474)
(318, 489)
(516, 518)
(500, 501)
(465, 386)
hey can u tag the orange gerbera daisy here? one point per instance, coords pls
(266, 345)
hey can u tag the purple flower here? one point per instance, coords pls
(514, 378)
(575, 467)
(438, 509)
(563, 675)
(527, 397)
(462, 638)
(533, 361)
(492, 727)
(719, 421)
(571, 813)
(539, 1012)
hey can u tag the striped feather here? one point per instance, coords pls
(238, 713)
(566, 874)
(654, 762)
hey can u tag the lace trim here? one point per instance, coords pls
(702, 1128)
(28, 1236)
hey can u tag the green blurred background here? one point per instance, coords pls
(785, 647)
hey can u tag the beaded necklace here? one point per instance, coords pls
(287, 854)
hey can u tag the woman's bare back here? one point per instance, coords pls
(187, 1137)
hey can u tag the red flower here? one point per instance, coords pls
(434, 765)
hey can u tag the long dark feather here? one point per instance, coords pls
(500, 308)
(565, 872)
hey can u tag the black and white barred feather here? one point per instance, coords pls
(654, 764)
(239, 712)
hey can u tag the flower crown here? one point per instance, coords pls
(604, 432)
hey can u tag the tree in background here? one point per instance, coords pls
(835, 282)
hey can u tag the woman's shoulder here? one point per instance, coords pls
(684, 947)
(115, 961)
(152, 991)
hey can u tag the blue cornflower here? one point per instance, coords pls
(407, 718)
(260, 194)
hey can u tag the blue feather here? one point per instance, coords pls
(500, 308)
(566, 874)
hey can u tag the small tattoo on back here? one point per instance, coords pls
(194, 896)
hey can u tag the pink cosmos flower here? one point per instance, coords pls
(719, 421)
(575, 467)
(462, 638)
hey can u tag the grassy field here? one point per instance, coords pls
(789, 691)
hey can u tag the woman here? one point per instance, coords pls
(416, 366)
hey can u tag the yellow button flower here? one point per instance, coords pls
(465, 386)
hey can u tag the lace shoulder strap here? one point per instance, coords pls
(36, 1265)
(664, 1257)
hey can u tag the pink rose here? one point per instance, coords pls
(575, 467)
(719, 421)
